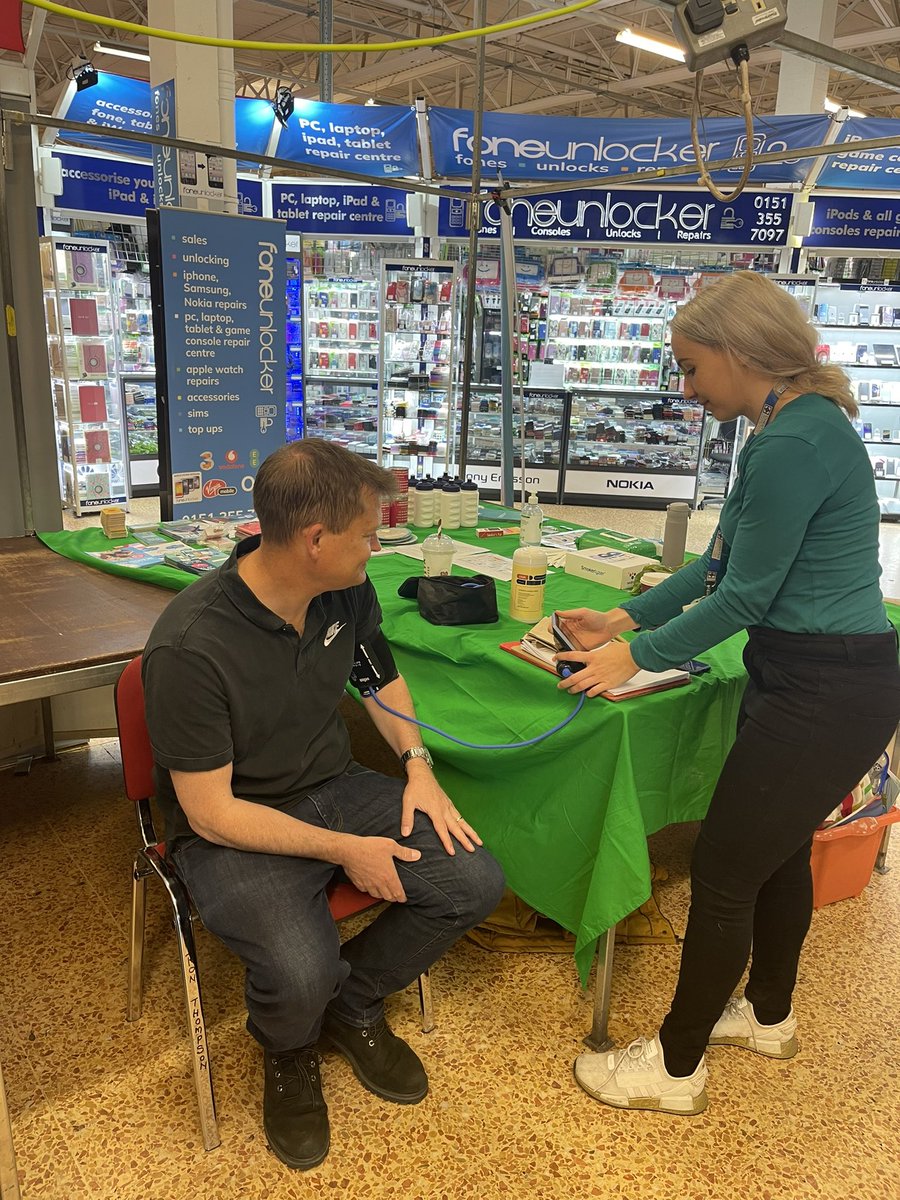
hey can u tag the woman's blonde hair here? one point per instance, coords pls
(765, 328)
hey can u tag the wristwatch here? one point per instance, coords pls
(416, 752)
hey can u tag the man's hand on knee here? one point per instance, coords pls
(369, 863)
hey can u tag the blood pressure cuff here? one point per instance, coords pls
(453, 599)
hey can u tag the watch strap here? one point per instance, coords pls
(416, 752)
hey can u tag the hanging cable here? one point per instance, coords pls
(477, 745)
(170, 35)
(741, 57)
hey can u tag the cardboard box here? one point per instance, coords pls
(603, 564)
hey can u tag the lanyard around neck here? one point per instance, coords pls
(715, 558)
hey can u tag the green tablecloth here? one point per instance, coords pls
(569, 817)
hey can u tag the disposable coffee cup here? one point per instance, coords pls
(437, 555)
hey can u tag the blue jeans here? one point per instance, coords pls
(271, 910)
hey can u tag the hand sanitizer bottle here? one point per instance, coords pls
(531, 523)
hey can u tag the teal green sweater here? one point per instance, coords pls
(801, 545)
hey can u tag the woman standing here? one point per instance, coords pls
(795, 564)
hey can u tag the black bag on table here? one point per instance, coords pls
(453, 599)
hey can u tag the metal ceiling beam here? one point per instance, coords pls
(829, 56)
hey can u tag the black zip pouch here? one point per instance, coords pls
(453, 599)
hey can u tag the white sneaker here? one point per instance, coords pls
(738, 1026)
(636, 1077)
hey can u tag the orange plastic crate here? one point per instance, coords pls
(843, 858)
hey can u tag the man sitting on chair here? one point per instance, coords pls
(243, 675)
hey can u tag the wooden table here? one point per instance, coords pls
(65, 627)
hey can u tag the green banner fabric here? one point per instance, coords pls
(568, 817)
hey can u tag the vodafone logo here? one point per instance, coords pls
(217, 487)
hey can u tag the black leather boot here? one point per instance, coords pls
(295, 1115)
(381, 1061)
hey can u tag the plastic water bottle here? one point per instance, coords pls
(423, 504)
(526, 588)
(451, 505)
(469, 504)
(531, 522)
(675, 534)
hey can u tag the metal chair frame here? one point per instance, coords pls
(149, 860)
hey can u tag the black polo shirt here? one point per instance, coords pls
(226, 681)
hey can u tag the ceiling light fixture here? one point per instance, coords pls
(283, 104)
(121, 51)
(640, 41)
(834, 106)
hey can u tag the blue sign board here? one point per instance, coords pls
(864, 170)
(377, 140)
(131, 106)
(573, 148)
(125, 189)
(223, 288)
(118, 104)
(165, 160)
(253, 120)
(629, 215)
(855, 223)
(342, 209)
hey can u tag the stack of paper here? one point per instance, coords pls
(112, 521)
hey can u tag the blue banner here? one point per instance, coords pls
(120, 105)
(253, 121)
(377, 140)
(125, 189)
(558, 148)
(223, 283)
(165, 159)
(864, 169)
(629, 215)
(130, 105)
(855, 223)
(342, 209)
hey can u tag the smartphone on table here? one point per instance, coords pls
(562, 641)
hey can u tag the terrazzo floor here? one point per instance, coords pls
(102, 1108)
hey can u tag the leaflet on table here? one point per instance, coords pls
(460, 550)
(132, 555)
(194, 559)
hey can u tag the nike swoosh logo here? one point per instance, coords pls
(333, 632)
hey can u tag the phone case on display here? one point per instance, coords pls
(93, 359)
(81, 267)
(431, 291)
(402, 291)
(446, 289)
(92, 404)
(391, 290)
(83, 315)
(352, 330)
(417, 290)
(96, 447)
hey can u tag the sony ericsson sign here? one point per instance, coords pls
(629, 215)
(534, 147)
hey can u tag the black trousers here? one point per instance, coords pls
(817, 712)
